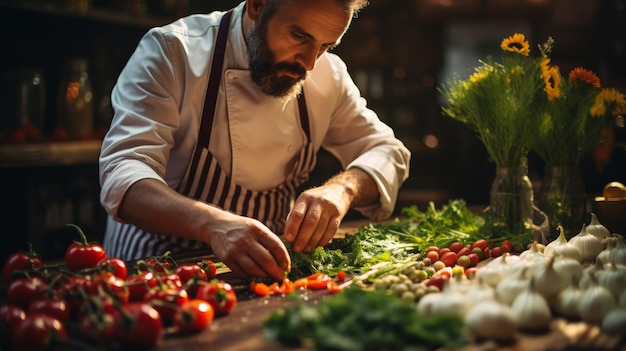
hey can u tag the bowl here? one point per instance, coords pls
(611, 213)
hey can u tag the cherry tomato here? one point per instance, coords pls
(480, 243)
(449, 259)
(56, 308)
(209, 267)
(341, 276)
(496, 252)
(10, 316)
(111, 285)
(161, 264)
(141, 327)
(39, 332)
(166, 302)
(194, 316)
(114, 265)
(98, 329)
(219, 294)
(19, 261)
(456, 246)
(81, 255)
(139, 284)
(189, 275)
(24, 290)
(171, 280)
(506, 246)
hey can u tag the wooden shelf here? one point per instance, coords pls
(50, 154)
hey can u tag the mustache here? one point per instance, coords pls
(294, 68)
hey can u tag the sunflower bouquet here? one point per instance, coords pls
(504, 102)
(576, 119)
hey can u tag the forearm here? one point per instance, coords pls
(156, 208)
(358, 187)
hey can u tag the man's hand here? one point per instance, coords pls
(317, 212)
(249, 248)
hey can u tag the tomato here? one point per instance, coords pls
(56, 308)
(456, 246)
(73, 289)
(114, 265)
(333, 287)
(82, 255)
(19, 261)
(39, 332)
(189, 275)
(139, 284)
(139, 327)
(433, 256)
(171, 280)
(111, 285)
(473, 259)
(479, 252)
(496, 252)
(506, 246)
(341, 276)
(449, 259)
(194, 316)
(444, 251)
(437, 282)
(161, 264)
(98, 329)
(480, 243)
(432, 248)
(219, 294)
(10, 316)
(209, 268)
(464, 251)
(24, 290)
(166, 301)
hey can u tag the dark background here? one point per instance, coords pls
(399, 53)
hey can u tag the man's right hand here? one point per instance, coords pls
(249, 248)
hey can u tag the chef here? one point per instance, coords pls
(218, 119)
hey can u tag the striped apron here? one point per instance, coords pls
(205, 180)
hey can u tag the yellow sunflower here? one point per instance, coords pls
(605, 97)
(551, 79)
(516, 43)
(581, 74)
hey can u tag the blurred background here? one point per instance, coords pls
(61, 58)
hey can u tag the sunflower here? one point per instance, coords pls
(516, 43)
(606, 97)
(581, 74)
(551, 78)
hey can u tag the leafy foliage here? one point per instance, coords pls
(359, 320)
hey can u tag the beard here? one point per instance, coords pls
(268, 74)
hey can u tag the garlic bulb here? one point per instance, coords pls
(451, 302)
(603, 256)
(491, 320)
(531, 310)
(509, 287)
(596, 302)
(622, 299)
(560, 246)
(548, 282)
(568, 300)
(425, 304)
(613, 278)
(569, 268)
(618, 254)
(533, 253)
(494, 271)
(615, 321)
(588, 245)
(596, 229)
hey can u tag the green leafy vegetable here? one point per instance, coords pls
(359, 320)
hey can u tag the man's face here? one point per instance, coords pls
(283, 47)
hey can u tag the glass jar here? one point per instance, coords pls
(23, 96)
(76, 101)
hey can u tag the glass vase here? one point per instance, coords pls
(511, 204)
(562, 197)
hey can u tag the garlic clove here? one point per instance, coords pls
(618, 254)
(490, 320)
(615, 321)
(588, 245)
(531, 310)
(560, 246)
(596, 302)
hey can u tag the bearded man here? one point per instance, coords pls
(218, 121)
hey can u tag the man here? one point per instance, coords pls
(218, 119)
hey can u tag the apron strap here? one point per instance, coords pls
(215, 78)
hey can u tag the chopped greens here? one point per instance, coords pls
(360, 320)
(403, 237)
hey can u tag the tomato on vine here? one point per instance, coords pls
(39, 332)
(24, 290)
(219, 294)
(82, 254)
(114, 265)
(194, 316)
(138, 326)
(20, 261)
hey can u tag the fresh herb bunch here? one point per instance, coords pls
(503, 101)
(403, 238)
(576, 120)
(357, 319)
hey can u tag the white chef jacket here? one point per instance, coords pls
(158, 101)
